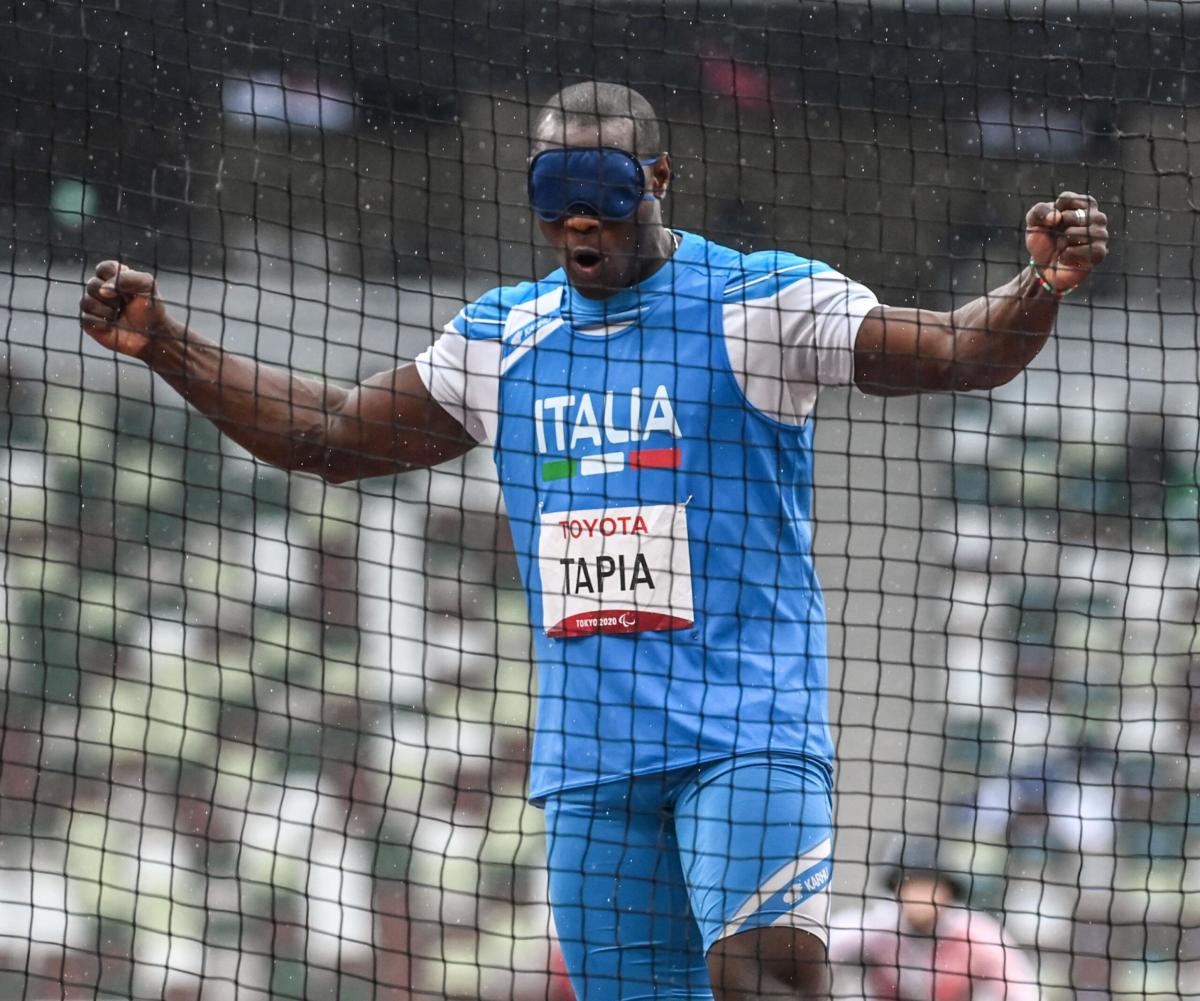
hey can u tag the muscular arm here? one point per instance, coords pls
(988, 341)
(388, 424)
(980, 345)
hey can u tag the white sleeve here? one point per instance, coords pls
(462, 375)
(788, 343)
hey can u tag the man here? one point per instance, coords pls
(925, 945)
(648, 408)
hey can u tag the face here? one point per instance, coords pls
(603, 256)
(920, 897)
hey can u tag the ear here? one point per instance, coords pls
(659, 175)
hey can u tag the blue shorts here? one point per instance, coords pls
(648, 872)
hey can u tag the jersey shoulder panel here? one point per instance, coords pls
(766, 273)
(488, 316)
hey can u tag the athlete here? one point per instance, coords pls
(648, 405)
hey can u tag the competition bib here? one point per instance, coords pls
(615, 570)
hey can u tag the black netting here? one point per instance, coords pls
(268, 735)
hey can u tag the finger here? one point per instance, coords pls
(120, 279)
(1079, 210)
(95, 307)
(1074, 200)
(96, 287)
(1043, 215)
(1075, 236)
(1080, 221)
(129, 282)
(1080, 258)
(94, 327)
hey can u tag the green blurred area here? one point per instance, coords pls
(1070, 794)
(212, 756)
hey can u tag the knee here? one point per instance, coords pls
(769, 964)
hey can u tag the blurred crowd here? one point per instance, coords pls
(1089, 851)
(1070, 793)
(279, 750)
(247, 750)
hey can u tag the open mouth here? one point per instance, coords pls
(585, 258)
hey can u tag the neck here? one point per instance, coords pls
(657, 248)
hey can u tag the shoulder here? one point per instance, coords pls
(767, 273)
(494, 313)
(752, 276)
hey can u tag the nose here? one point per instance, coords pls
(582, 223)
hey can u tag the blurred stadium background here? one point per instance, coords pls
(266, 738)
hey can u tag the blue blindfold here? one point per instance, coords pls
(584, 180)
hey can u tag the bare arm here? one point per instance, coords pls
(988, 341)
(388, 424)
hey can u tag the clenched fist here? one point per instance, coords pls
(121, 309)
(1066, 239)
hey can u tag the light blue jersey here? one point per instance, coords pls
(655, 455)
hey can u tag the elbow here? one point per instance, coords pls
(320, 464)
(333, 467)
(314, 452)
(334, 476)
(1004, 377)
(985, 377)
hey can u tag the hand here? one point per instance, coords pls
(1067, 238)
(122, 310)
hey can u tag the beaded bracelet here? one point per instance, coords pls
(1057, 293)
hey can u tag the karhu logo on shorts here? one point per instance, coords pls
(796, 895)
(619, 570)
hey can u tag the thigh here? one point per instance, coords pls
(620, 903)
(756, 845)
(779, 964)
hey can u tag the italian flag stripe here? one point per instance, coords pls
(611, 462)
(560, 469)
(656, 458)
(598, 465)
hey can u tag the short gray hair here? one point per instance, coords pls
(594, 101)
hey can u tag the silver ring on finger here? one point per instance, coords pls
(1080, 217)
